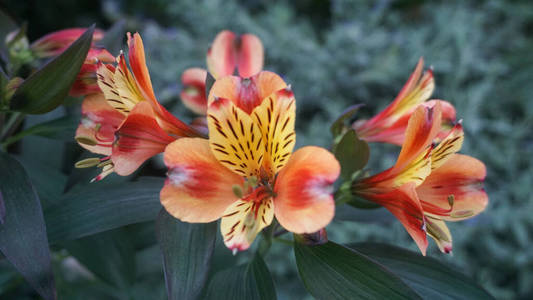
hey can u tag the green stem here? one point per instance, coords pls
(12, 124)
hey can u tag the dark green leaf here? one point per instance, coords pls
(60, 128)
(331, 271)
(7, 24)
(427, 276)
(109, 255)
(249, 282)
(2, 209)
(101, 206)
(338, 125)
(46, 89)
(352, 154)
(209, 81)
(187, 249)
(23, 234)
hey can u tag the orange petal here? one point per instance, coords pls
(100, 54)
(246, 93)
(86, 82)
(275, 118)
(304, 202)
(404, 204)
(235, 139)
(414, 162)
(138, 66)
(221, 56)
(98, 124)
(243, 220)
(416, 90)
(462, 177)
(56, 42)
(250, 55)
(193, 93)
(138, 139)
(449, 117)
(198, 187)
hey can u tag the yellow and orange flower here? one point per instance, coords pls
(246, 173)
(430, 183)
(228, 52)
(125, 121)
(390, 124)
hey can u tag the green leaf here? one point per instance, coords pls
(62, 128)
(187, 249)
(103, 206)
(352, 154)
(209, 81)
(23, 234)
(248, 282)
(7, 24)
(46, 89)
(331, 271)
(338, 125)
(109, 255)
(427, 276)
(2, 209)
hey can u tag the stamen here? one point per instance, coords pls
(86, 140)
(87, 163)
(237, 191)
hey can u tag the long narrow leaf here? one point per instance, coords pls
(187, 249)
(101, 207)
(23, 238)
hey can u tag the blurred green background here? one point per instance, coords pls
(334, 53)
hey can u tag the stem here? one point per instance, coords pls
(12, 124)
(266, 242)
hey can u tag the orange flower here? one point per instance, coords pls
(228, 52)
(246, 173)
(86, 82)
(429, 183)
(56, 42)
(125, 121)
(389, 125)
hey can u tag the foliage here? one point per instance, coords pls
(351, 52)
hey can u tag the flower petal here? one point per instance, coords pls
(98, 124)
(275, 117)
(243, 220)
(461, 176)
(193, 93)
(138, 138)
(221, 56)
(250, 55)
(138, 66)
(246, 93)
(438, 230)
(56, 42)
(450, 145)
(404, 204)
(304, 202)
(86, 82)
(198, 187)
(126, 86)
(235, 139)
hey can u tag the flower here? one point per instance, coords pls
(246, 173)
(389, 125)
(228, 52)
(86, 82)
(430, 183)
(125, 122)
(56, 42)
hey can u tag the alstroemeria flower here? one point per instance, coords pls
(429, 183)
(131, 126)
(227, 53)
(246, 173)
(86, 82)
(390, 124)
(56, 42)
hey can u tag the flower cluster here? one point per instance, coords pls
(236, 162)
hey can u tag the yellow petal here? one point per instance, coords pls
(450, 145)
(275, 117)
(243, 220)
(126, 86)
(234, 138)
